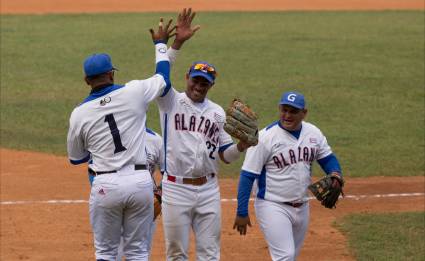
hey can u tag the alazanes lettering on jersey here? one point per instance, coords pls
(294, 156)
(200, 124)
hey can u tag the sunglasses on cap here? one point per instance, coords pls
(204, 68)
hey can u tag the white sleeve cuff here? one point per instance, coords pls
(172, 55)
(161, 52)
(231, 153)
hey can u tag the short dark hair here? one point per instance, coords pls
(97, 77)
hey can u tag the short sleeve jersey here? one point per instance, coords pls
(193, 134)
(284, 162)
(110, 124)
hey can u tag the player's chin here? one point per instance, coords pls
(288, 125)
(198, 96)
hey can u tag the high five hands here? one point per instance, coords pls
(183, 29)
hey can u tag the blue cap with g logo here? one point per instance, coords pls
(97, 64)
(294, 99)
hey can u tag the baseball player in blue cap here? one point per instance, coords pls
(109, 127)
(154, 154)
(194, 143)
(281, 163)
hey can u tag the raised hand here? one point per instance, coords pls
(163, 33)
(184, 29)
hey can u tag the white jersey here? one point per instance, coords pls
(154, 150)
(284, 162)
(193, 134)
(113, 134)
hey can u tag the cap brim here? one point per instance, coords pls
(202, 74)
(292, 105)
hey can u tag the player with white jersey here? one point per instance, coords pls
(194, 140)
(281, 163)
(154, 157)
(109, 126)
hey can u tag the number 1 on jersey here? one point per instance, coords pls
(115, 133)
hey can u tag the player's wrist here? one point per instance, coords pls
(159, 41)
(242, 146)
(242, 214)
(177, 44)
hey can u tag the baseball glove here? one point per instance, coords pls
(157, 200)
(241, 122)
(328, 189)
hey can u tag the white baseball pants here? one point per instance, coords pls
(283, 226)
(197, 207)
(122, 204)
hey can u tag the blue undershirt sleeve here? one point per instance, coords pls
(163, 68)
(330, 164)
(246, 180)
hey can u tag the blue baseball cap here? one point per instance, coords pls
(294, 99)
(203, 69)
(97, 64)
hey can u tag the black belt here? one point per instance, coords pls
(97, 173)
(295, 205)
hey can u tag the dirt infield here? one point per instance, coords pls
(38, 223)
(78, 6)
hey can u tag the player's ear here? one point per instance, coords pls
(305, 112)
(111, 75)
(187, 76)
(86, 79)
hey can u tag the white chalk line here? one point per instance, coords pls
(70, 201)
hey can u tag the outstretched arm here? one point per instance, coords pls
(160, 39)
(242, 220)
(184, 31)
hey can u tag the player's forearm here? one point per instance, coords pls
(232, 153)
(162, 63)
(246, 180)
(330, 164)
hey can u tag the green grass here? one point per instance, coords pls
(362, 74)
(385, 237)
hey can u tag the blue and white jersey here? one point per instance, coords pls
(284, 162)
(193, 135)
(110, 124)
